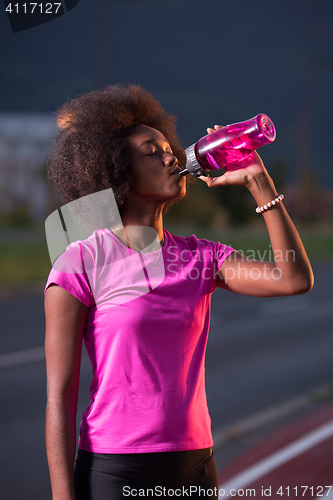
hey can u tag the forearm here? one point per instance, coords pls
(291, 262)
(60, 446)
(65, 321)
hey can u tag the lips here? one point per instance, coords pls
(175, 171)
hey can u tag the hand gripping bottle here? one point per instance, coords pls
(229, 145)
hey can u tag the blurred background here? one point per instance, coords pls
(208, 63)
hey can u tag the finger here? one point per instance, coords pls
(203, 178)
(216, 127)
(211, 181)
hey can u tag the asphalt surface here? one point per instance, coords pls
(264, 351)
(294, 461)
(261, 352)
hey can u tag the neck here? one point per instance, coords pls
(144, 215)
(142, 225)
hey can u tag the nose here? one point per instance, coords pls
(170, 159)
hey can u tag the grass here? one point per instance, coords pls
(23, 262)
(255, 243)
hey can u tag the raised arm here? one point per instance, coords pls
(65, 320)
(291, 273)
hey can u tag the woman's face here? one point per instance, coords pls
(154, 167)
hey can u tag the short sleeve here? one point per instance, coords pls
(211, 255)
(221, 253)
(68, 271)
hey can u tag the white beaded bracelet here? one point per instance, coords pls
(270, 204)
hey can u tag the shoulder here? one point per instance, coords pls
(191, 243)
(81, 252)
(215, 250)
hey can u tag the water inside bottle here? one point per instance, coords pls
(225, 157)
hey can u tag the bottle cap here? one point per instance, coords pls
(192, 165)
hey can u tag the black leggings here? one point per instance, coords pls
(178, 474)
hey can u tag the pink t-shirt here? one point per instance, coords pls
(146, 335)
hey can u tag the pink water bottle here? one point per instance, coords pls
(229, 145)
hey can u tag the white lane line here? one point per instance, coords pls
(22, 357)
(257, 420)
(325, 495)
(280, 457)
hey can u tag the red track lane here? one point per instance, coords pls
(312, 468)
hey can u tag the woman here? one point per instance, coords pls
(144, 317)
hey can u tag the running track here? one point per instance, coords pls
(294, 462)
